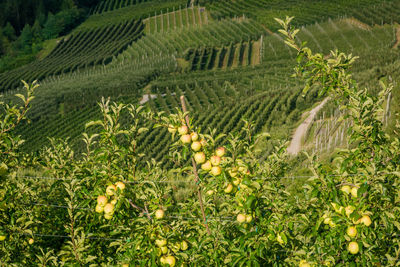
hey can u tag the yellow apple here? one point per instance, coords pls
(31, 241)
(2, 237)
(194, 136)
(215, 160)
(186, 139)
(206, 166)
(183, 130)
(346, 189)
(162, 260)
(184, 245)
(327, 220)
(220, 152)
(108, 216)
(164, 250)
(161, 242)
(233, 172)
(241, 218)
(349, 210)
(351, 231)
(366, 220)
(120, 185)
(200, 157)
(102, 200)
(196, 146)
(114, 201)
(237, 181)
(109, 208)
(159, 214)
(304, 263)
(215, 170)
(170, 260)
(228, 188)
(353, 247)
(99, 209)
(249, 218)
(110, 190)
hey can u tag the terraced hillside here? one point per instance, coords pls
(228, 66)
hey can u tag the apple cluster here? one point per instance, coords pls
(348, 211)
(165, 249)
(106, 203)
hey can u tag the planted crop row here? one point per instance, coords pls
(110, 5)
(208, 58)
(307, 12)
(79, 51)
(175, 19)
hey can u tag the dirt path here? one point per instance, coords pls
(397, 37)
(295, 144)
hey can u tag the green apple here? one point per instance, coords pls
(159, 214)
(186, 139)
(353, 247)
(2, 237)
(196, 146)
(184, 245)
(351, 231)
(183, 130)
(228, 188)
(200, 157)
(101, 201)
(206, 166)
(215, 160)
(164, 250)
(170, 260)
(110, 190)
(194, 136)
(216, 170)
(220, 152)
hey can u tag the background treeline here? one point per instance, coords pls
(26, 24)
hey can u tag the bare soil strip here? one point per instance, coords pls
(295, 145)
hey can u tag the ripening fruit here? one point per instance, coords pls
(196, 146)
(210, 192)
(99, 209)
(249, 218)
(366, 220)
(31, 241)
(353, 247)
(170, 260)
(186, 139)
(200, 157)
(220, 152)
(206, 166)
(194, 136)
(354, 191)
(184, 245)
(162, 260)
(228, 188)
(161, 242)
(351, 231)
(304, 263)
(233, 172)
(332, 224)
(109, 208)
(120, 185)
(241, 218)
(215, 160)
(102, 200)
(108, 216)
(110, 190)
(242, 169)
(2, 237)
(236, 182)
(125, 265)
(327, 220)
(346, 189)
(183, 130)
(114, 201)
(164, 250)
(159, 214)
(215, 170)
(171, 129)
